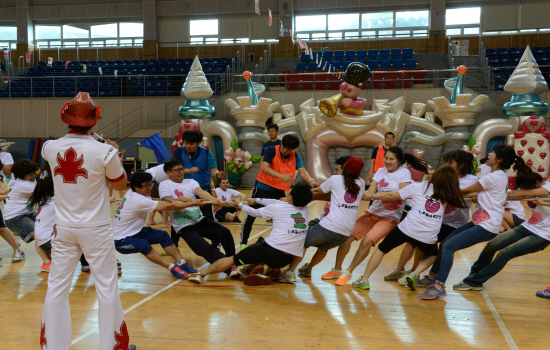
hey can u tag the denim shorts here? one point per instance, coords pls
(22, 225)
(323, 239)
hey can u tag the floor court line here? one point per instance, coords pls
(92, 331)
(511, 343)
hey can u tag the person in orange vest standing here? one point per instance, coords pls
(276, 175)
(377, 157)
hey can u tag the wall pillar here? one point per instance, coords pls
(150, 29)
(25, 31)
(437, 40)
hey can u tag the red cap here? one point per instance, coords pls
(80, 111)
(355, 165)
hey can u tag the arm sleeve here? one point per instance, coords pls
(114, 170)
(211, 161)
(299, 163)
(377, 176)
(264, 212)
(267, 201)
(269, 154)
(486, 181)
(326, 186)
(406, 177)
(147, 205)
(408, 192)
(177, 154)
(164, 190)
(9, 159)
(374, 153)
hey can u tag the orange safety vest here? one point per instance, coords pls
(282, 166)
(379, 161)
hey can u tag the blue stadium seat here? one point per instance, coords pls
(301, 66)
(547, 49)
(515, 58)
(395, 53)
(310, 66)
(537, 49)
(505, 60)
(345, 64)
(373, 54)
(328, 55)
(385, 64)
(408, 53)
(397, 63)
(490, 52)
(502, 51)
(305, 57)
(384, 54)
(513, 51)
(541, 58)
(374, 64)
(350, 55)
(410, 63)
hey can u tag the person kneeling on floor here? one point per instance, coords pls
(285, 241)
(130, 235)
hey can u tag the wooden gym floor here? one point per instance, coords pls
(165, 313)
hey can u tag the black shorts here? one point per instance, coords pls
(396, 238)
(47, 246)
(261, 252)
(517, 220)
(155, 190)
(220, 214)
(445, 231)
(2, 220)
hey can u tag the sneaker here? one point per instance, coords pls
(85, 268)
(119, 271)
(186, 266)
(287, 277)
(411, 280)
(364, 285)
(463, 286)
(243, 272)
(433, 293)
(425, 281)
(305, 270)
(395, 275)
(18, 256)
(258, 270)
(45, 268)
(237, 220)
(234, 273)
(242, 247)
(344, 278)
(164, 254)
(177, 271)
(256, 279)
(273, 273)
(196, 277)
(403, 280)
(545, 293)
(332, 274)
(29, 238)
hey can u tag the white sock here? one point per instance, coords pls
(181, 262)
(171, 266)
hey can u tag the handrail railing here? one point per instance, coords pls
(124, 126)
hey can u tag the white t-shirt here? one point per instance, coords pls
(158, 173)
(539, 222)
(131, 214)
(289, 224)
(516, 208)
(455, 217)
(484, 170)
(389, 182)
(491, 201)
(226, 195)
(43, 226)
(185, 217)
(7, 159)
(426, 215)
(344, 206)
(81, 169)
(18, 196)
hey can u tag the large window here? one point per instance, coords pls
(389, 24)
(8, 33)
(204, 31)
(86, 35)
(463, 21)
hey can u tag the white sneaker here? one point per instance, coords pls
(18, 256)
(287, 277)
(403, 280)
(395, 274)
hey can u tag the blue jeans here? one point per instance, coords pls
(465, 236)
(141, 241)
(510, 244)
(22, 225)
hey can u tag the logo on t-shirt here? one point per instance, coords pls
(383, 183)
(535, 218)
(480, 216)
(432, 205)
(120, 206)
(350, 197)
(300, 222)
(223, 198)
(183, 217)
(70, 167)
(178, 193)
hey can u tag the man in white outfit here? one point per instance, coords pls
(82, 169)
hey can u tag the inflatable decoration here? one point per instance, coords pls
(196, 91)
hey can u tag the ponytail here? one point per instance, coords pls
(349, 182)
(461, 158)
(508, 157)
(1, 175)
(526, 178)
(416, 163)
(43, 192)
